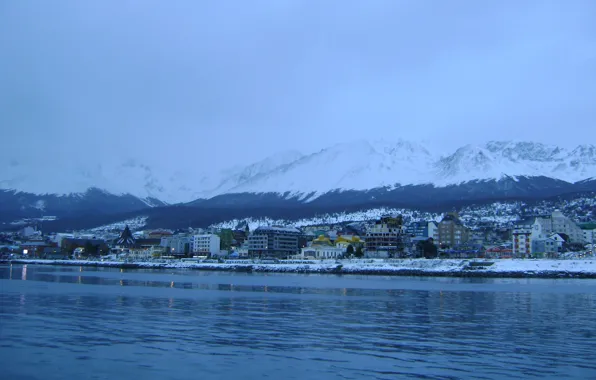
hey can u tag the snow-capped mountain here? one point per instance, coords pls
(359, 165)
(497, 159)
(364, 165)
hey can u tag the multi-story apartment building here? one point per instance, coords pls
(563, 225)
(206, 244)
(278, 242)
(522, 242)
(452, 232)
(386, 238)
(545, 226)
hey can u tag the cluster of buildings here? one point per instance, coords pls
(549, 234)
(388, 237)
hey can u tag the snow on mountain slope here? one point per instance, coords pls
(232, 178)
(73, 176)
(580, 164)
(121, 175)
(363, 165)
(522, 159)
(494, 161)
(358, 165)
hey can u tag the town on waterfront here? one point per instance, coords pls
(389, 237)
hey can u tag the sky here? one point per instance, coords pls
(220, 82)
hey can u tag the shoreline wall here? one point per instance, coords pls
(421, 268)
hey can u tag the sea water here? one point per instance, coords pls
(100, 323)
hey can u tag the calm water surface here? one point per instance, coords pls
(99, 323)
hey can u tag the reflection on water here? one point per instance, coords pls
(104, 323)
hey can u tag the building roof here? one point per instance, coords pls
(83, 241)
(34, 243)
(140, 242)
(278, 229)
(126, 238)
(451, 217)
(529, 220)
(348, 239)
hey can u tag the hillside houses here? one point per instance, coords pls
(389, 236)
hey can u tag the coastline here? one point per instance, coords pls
(498, 268)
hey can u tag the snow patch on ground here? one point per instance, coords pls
(134, 224)
(455, 267)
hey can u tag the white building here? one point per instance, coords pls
(544, 227)
(206, 244)
(433, 230)
(558, 239)
(322, 252)
(563, 225)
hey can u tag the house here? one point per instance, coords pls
(452, 231)
(559, 241)
(278, 242)
(544, 246)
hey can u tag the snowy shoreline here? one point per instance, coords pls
(510, 268)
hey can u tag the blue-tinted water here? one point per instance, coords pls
(87, 323)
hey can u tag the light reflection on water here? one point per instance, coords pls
(62, 322)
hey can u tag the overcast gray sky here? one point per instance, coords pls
(192, 79)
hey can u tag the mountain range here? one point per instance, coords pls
(353, 174)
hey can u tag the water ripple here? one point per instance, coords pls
(67, 322)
